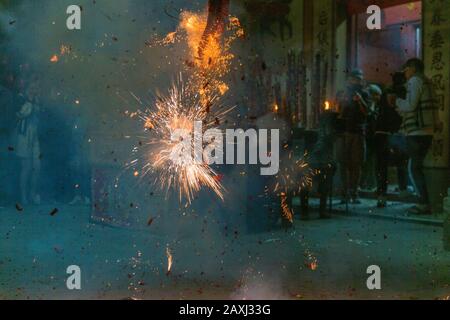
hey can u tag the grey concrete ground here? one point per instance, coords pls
(318, 259)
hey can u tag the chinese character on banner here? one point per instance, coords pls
(436, 52)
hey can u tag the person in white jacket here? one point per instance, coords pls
(419, 113)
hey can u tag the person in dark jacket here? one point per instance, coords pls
(353, 105)
(387, 122)
(320, 158)
(368, 175)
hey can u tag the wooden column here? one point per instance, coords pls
(324, 55)
(308, 41)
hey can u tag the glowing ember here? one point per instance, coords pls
(54, 59)
(312, 262)
(313, 265)
(223, 88)
(236, 25)
(170, 38)
(288, 214)
(169, 260)
(327, 105)
(148, 125)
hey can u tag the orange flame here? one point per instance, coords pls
(148, 124)
(275, 108)
(211, 56)
(169, 260)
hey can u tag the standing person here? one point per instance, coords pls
(387, 122)
(419, 114)
(397, 144)
(320, 159)
(368, 176)
(353, 107)
(28, 147)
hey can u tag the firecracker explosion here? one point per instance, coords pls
(224, 149)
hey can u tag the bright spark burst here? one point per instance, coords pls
(208, 64)
(311, 261)
(178, 110)
(294, 177)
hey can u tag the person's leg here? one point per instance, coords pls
(344, 180)
(400, 161)
(418, 147)
(349, 157)
(368, 176)
(343, 167)
(25, 171)
(304, 203)
(357, 154)
(381, 167)
(325, 190)
(364, 179)
(351, 165)
(34, 181)
(402, 176)
(380, 161)
(370, 158)
(321, 189)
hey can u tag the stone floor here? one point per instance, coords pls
(396, 209)
(317, 259)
